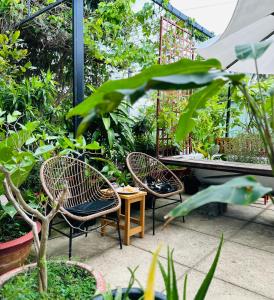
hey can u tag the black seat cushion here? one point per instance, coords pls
(92, 207)
(159, 187)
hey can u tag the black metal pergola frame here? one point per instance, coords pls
(78, 40)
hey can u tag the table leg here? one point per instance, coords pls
(127, 223)
(142, 217)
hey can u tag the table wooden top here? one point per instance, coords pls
(132, 196)
(220, 165)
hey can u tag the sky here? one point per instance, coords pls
(214, 15)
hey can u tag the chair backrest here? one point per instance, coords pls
(84, 183)
(142, 166)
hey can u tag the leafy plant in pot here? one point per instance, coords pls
(14, 195)
(15, 237)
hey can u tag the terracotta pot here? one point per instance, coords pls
(100, 282)
(14, 253)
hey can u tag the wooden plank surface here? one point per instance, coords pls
(219, 165)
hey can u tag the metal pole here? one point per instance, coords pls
(228, 107)
(78, 56)
(158, 97)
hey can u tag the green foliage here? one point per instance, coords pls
(33, 96)
(11, 229)
(247, 148)
(112, 172)
(65, 282)
(210, 123)
(196, 101)
(144, 131)
(242, 191)
(114, 132)
(169, 277)
(111, 31)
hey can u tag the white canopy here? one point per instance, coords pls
(252, 21)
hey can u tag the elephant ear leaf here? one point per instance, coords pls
(254, 51)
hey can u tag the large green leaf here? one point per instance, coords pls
(136, 84)
(106, 122)
(111, 137)
(184, 74)
(196, 102)
(243, 191)
(254, 51)
(209, 276)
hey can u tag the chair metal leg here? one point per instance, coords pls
(153, 215)
(119, 232)
(70, 241)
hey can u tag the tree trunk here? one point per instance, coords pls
(42, 258)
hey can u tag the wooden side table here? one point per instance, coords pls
(128, 220)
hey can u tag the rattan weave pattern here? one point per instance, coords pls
(84, 184)
(142, 165)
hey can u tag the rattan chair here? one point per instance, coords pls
(90, 194)
(151, 175)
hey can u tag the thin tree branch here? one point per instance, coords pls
(24, 216)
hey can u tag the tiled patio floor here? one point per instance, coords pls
(245, 270)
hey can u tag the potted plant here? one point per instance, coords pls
(15, 237)
(69, 273)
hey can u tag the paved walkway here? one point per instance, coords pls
(245, 269)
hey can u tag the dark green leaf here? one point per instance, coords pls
(185, 287)
(111, 137)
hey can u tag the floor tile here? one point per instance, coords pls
(246, 267)
(218, 290)
(190, 246)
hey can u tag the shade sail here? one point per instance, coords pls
(252, 21)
